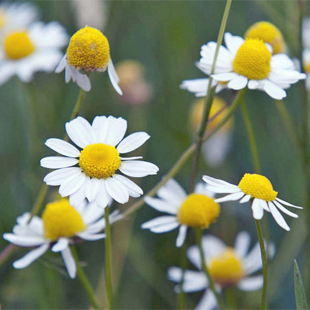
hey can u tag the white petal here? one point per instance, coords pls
(77, 198)
(88, 237)
(207, 302)
(82, 80)
(233, 43)
(138, 168)
(231, 197)
(131, 158)
(59, 176)
(246, 198)
(69, 262)
(133, 189)
(278, 217)
(217, 182)
(100, 128)
(62, 64)
(172, 192)
(92, 189)
(24, 241)
(274, 91)
(159, 221)
(31, 257)
(55, 162)
(253, 261)
(251, 283)
(253, 84)
(242, 243)
(60, 245)
(116, 130)
(103, 197)
(224, 77)
(73, 184)
(193, 255)
(212, 246)
(181, 236)
(114, 77)
(197, 86)
(116, 190)
(80, 132)
(62, 147)
(161, 205)
(257, 209)
(132, 142)
(223, 189)
(238, 82)
(287, 203)
(284, 210)
(164, 228)
(92, 213)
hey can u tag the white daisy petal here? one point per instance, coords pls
(181, 236)
(245, 199)
(69, 262)
(138, 168)
(132, 142)
(172, 192)
(62, 64)
(62, 147)
(161, 206)
(212, 245)
(88, 237)
(60, 245)
(92, 190)
(77, 197)
(164, 228)
(130, 158)
(242, 243)
(284, 210)
(233, 43)
(253, 261)
(251, 283)
(223, 189)
(159, 221)
(197, 86)
(257, 209)
(117, 128)
(100, 128)
(287, 203)
(114, 77)
(24, 241)
(117, 190)
(207, 302)
(55, 162)
(278, 217)
(103, 197)
(133, 189)
(58, 176)
(68, 188)
(193, 255)
(231, 197)
(31, 257)
(238, 82)
(274, 91)
(82, 80)
(224, 77)
(91, 214)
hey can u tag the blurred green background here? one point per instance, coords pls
(165, 36)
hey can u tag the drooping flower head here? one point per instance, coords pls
(259, 190)
(60, 226)
(24, 51)
(92, 169)
(269, 33)
(88, 51)
(227, 266)
(197, 210)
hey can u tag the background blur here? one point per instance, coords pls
(165, 37)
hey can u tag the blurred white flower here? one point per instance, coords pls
(88, 51)
(60, 226)
(257, 188)
(26, 51)
(227, 266)
(91, 172)
(194, 210)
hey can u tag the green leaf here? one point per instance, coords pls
(300, 295)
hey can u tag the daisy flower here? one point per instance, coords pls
(249, 62)
(306, 66)
(259, 190)
(216, 148)
(194, 210)
(88, 51)
(28, 50)
(90, 171)
(60, 226)
(227, 267)
(16, 15)
(269, 33)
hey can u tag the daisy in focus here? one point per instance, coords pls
(216, 148)
(88, 51)
(197, 210)
(250, 63)
(227, 267)
(60, 226)
(90, 169)
(259, 190)
(25, 51)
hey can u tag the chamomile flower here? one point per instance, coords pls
(216, 148)
(90, 171)
(306, 66)
(60, 226)
(25, 51)
(250, 63)
(227, 267)
(269, 33)
(88, 51)
(194, 210)
(259, 190)
(16, 15)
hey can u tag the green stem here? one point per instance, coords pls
(39, 201)
(204, 266)
(182, 295)
(185, 156)
(108, 258)
(88, 289)
(264, 259)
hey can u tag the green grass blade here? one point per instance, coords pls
(300, 295)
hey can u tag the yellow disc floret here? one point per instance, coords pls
(198, 211)
(61, 220)
(226, 269)
(18, 45)
(257, 186)
(99, 160)
(253, 60)
(88, 50)
(269, 33)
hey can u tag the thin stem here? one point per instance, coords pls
(39, 202)
(220, 301)
(85, 282)
(265, 264)
(182, 295)
(108, 258)
(7, 252)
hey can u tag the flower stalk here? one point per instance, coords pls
(108, 258)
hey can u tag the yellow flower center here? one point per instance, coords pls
(99, 160)
(61, 220)
(306, 66)
(253, 60)
(257, 186)
(226, 269)
(198, 211)
(18, 45)
(269, 33)
(88, 50)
